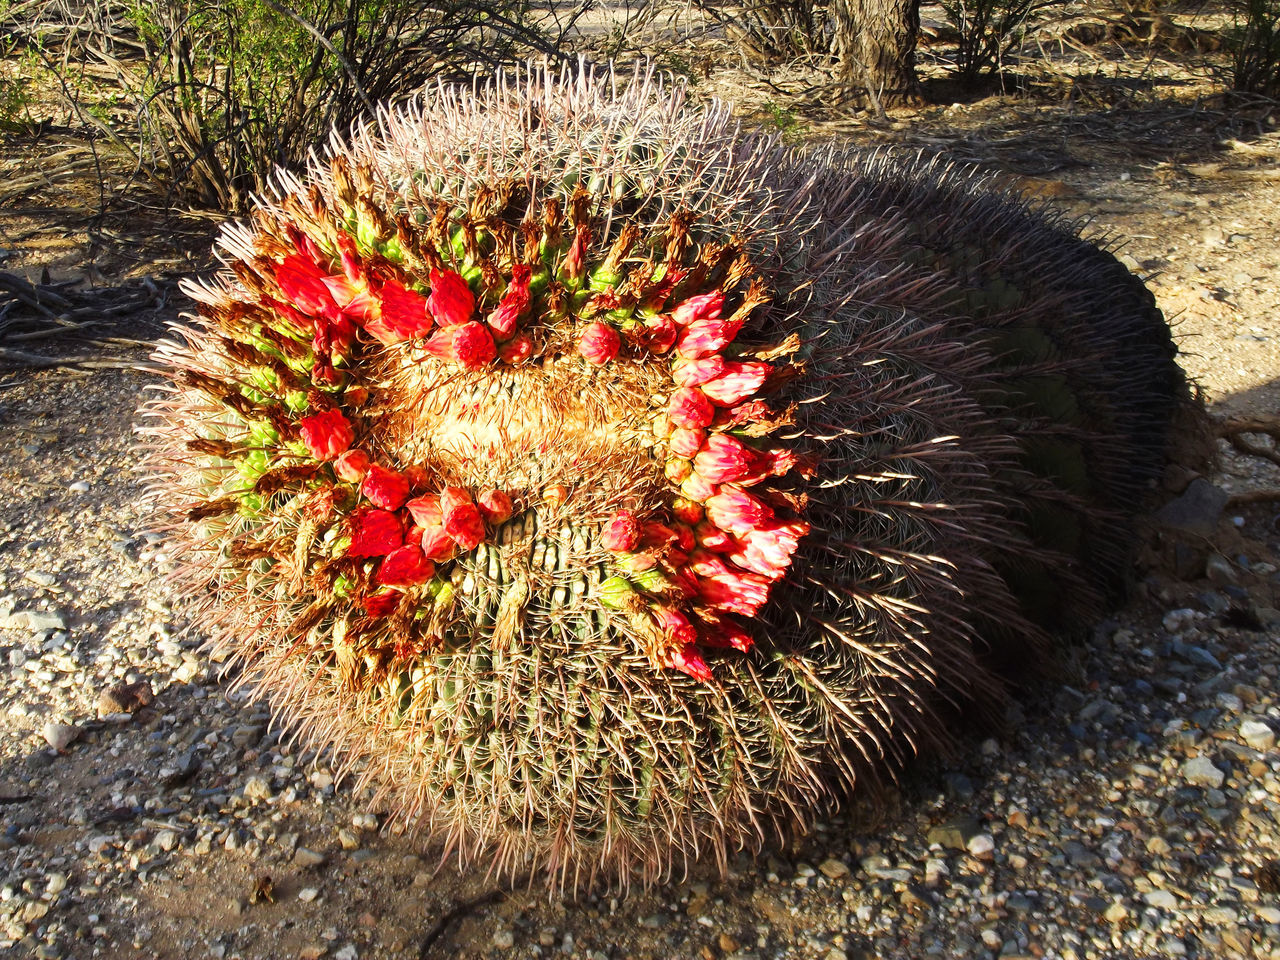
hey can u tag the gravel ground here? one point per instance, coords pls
(148, 812)
(1131, 809)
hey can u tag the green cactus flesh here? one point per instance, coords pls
(609, 487)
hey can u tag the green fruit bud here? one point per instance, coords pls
(616, 593)
(392, 250)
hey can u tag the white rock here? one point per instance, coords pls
(1257, 735)
(38, 621)
(60, 735)
(981, 845)
(1161, 900)
(1176, 620)
(934, 871)
(166, 840)
(257, 788)
(187, 671)
(307, 894)
(1201, 772)
(833, 868)
(1229, 702)
(1269, 914)
(347, 952)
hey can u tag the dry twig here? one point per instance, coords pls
(1238, 431)
(50, 313)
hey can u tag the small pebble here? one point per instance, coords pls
(303, 857)
(60, 735)
(1257, 735)
(834, 869)
(1201, 771)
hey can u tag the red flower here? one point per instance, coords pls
(352, 267)
(685, 442)
(599, 343)
(706, 564)
(753, 411)
(687, 511)
(437, 544)
(737, 511)
(690, 408)
(712, 537)
(326, 434)
(739, 381)
(726, 634)
(331, 340)
(707, 336)
(769, 463)
(658, 334)
(655, 298)
(654, 536)
(462, 520)
(405, 567)
(516, 350)
(705, 306)
(425, 511)
(513, 305)
(697, 487)
(305, 246)
(404, 311)
(380, 604)
(675, 626)
(684, 540)
(385, 488)
(351, 466)
(352, 297)
(451, 301)
(574, 261)
(724, 459)
(374, 533)
(302, 283)
(688, 660)
(690, 373)
(735, 591)
(470, 344)
(677, 469)
(768, 550)
(495, 505)
(622, 533)
(417, 476)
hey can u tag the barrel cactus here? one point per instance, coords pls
(609, 487)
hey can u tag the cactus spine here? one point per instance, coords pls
(611, 488)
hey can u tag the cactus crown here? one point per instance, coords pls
(608, 486)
